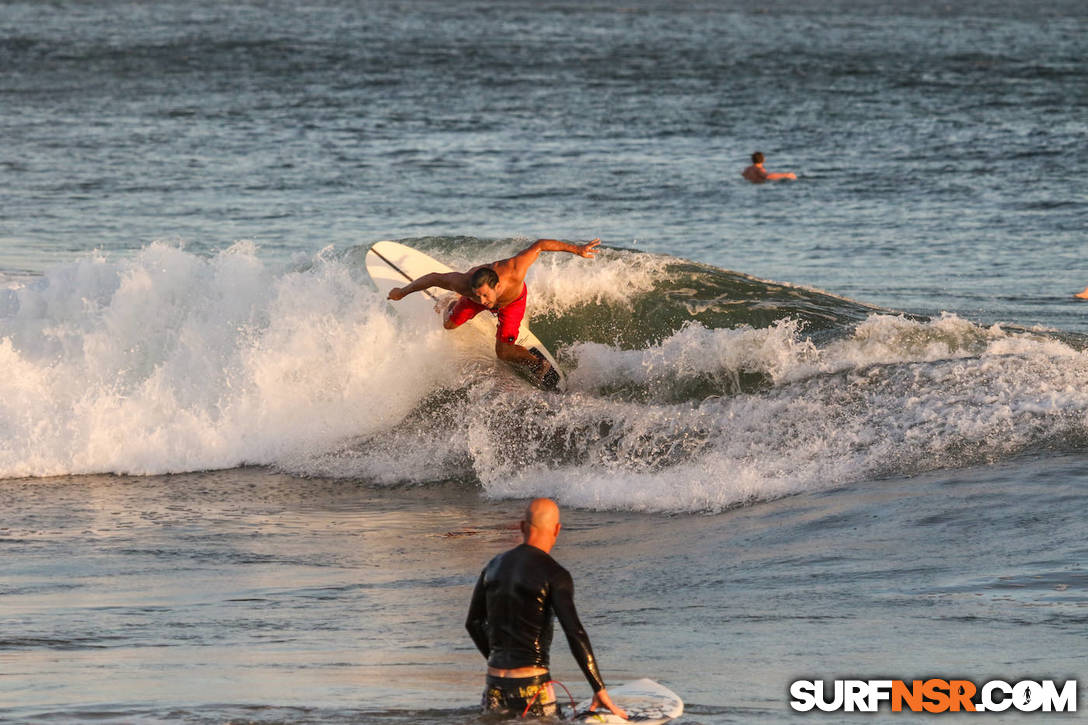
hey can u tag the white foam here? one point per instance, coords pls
(784, 354)
(693, 353)
(896, 397)
(613, 277)
(171, 362)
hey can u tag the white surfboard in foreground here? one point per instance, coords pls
(645, 701)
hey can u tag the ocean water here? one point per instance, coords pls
(821, 429)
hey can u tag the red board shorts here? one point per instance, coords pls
(510, 317)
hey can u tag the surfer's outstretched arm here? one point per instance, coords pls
(527, 256)
(453, 281)
(554, 245)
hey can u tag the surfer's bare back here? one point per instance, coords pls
(500, 288)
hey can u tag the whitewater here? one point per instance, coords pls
(224, 360)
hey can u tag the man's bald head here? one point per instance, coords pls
(542, 513)
(540, 527)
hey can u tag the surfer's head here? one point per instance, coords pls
(757, 157)
(484, 286)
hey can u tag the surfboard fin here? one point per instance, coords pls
(550, 379)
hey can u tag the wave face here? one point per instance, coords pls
(691, 388)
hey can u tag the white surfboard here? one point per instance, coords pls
(391, 264)
(645, 701)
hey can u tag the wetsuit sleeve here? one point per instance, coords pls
(563, 604)
(476, 623)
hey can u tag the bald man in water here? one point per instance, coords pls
(510, 620)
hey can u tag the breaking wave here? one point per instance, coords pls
(690, 388)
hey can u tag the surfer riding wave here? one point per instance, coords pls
(500, 288)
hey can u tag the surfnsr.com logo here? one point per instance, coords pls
(933, 695)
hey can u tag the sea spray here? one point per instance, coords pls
(895, 396)
(171, 362)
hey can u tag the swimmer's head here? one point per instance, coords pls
(757, 157)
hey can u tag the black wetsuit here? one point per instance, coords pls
(510, 618)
